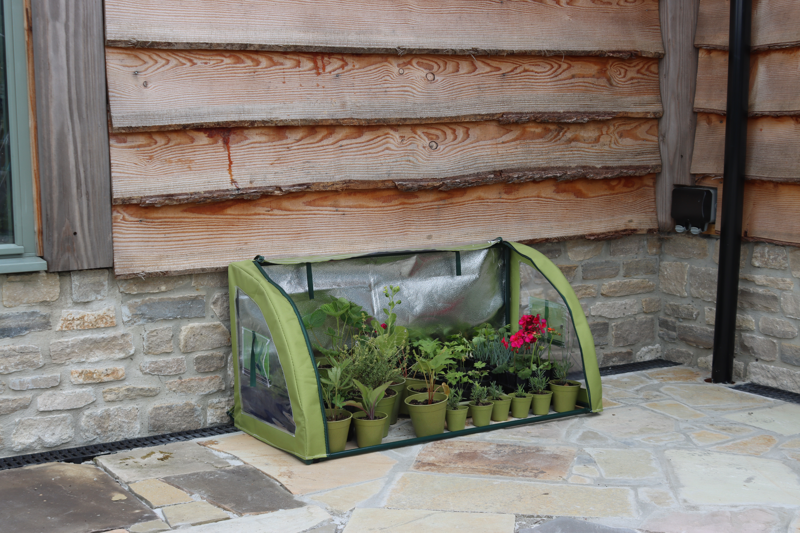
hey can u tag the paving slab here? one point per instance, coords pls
(288, 521)
(592, 438)
(157, 494)
(192, 514)
(585, 470)
(659, 497)
(492, 459)
(455, 493)
(551, 430)
(239, 489)
(160, 461)
(626, 381)
(66, 498)
(758, 445)
(342, 500)
(749, 521)
(731, 430)
(711, 478)
(675, 374)
(298, 477)
(414, 521)
(709, 395)
(154, 526)
(631, 421)
(675, 410)
(704, 437)
(618, 394)
(667, 438)
(793, 444)
(572, 525)
(783, 419)
(625, 463)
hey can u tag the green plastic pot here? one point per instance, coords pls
(338, 430)
(427, 419)
(386, 405)
(410, 382)
(369, 432)
(400, 389)
(520, 407)
(565, 396)
(501, 408)
(457, 418)
(541, 403)
(481, 414)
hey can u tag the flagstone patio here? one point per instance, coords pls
(670, 453)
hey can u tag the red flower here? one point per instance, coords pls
(383, 326)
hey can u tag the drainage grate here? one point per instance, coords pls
(87, 453)
(769, 392)
(636, 367)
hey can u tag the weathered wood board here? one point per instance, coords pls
(772, 147)
(192, 165)
(774, 82)
(770, 210)
(548, 27)
(187, 238)
(169, 89)
(775, 24)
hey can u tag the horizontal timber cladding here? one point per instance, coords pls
(772, 147)
(547, 27)
(157, 168)
(186, 238)
(168, 89)
(770, 210)
(775, 24)
(774, 82)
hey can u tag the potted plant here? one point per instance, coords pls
(480, 406)
(500, 401)
(520, 403)
(369, 422)
(456, 413)
(565, 392)
(337, 417)
(428, 410)
(541, 396)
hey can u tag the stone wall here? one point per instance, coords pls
(86, 358)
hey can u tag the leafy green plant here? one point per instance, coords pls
(520, 393)
(369, 398)
(461, 377)
(480, 395)
(454, 399)
(492, 352)
(560, 371)
(336, 384)
(539, 381)
(495, 391)
(370, 364)
(431, 361)
(348, 317)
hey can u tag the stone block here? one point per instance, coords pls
(617, 357)
(617, 308)
(769, 256)
(92, 348)
(794, 261)
(164, 367)
(150, 285)
(157, 494)
(198, 386)
(672, 278)
(158, 341)
(773, 376)
(784, 284)
(683, 311)
(129, 392)
(110, 424)
(42, 432)
(171, 417)
(148, 310)
(759, 347)
(22, 323)
(743, 322)
(77, 319)
(582, 249)
(648, 353)
(759, 300)
(221, 304)
(653, 246)
(790, 304)
(569, 272)
(204, 336)
(639, 267)
(209, 362)
(627, 287)
(210, 279)
(667, 329)
(192, 514)
(685, 247)
(26, 289)
(217, 411)
(651, 305)
(600, 269)
(16, 358)
(64, 400)
(599, 332)
(89, 285)
(630, 245)
(34, 382)
(790, 354)
(777, 327)
(585, 291)
(14, 403)
(96, 375)
(698, 336)
(551, 250)
(679, 355)
(703, 283)
(633, 331)
(743, 254)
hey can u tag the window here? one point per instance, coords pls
(17, 226)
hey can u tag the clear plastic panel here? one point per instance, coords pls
(539, 297)
(262, 385)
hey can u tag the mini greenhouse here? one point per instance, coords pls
(278, 390)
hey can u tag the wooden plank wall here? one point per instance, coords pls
(291, 128)
(772, 194)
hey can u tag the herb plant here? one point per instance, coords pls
(538, 381)
(369, 398)
(480, 395)
(454, 399)
(520, 393)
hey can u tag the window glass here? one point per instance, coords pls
(6, 208)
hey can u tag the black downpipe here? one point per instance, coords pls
(733, 174)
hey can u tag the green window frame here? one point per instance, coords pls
(19, 256)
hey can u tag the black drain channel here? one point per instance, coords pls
(769, 392)
(87, 453)
(627, 368)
